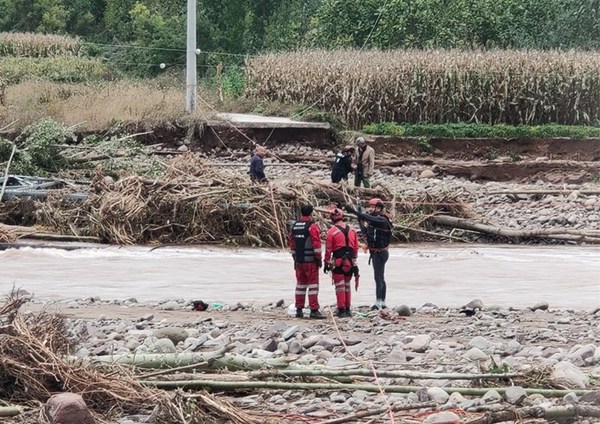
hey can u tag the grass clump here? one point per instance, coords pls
(462, 130)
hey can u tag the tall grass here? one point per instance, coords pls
(19, 44)
(435, 86)
(100, 106)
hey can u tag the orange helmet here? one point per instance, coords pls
(377, 202)
(336, 214)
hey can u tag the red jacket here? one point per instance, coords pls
(337, 240)
(314, 233)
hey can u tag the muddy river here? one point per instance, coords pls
(566, 277)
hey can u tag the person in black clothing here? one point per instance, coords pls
(378, 229)
(342, 166)
(257, 167)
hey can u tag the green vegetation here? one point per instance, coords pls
(154, 30)
(483, 130)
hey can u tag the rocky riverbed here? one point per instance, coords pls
(417, 361)
(555, 200)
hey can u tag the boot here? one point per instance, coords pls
(315, 314)
(341, 313)
(299, 313)
(348, 313)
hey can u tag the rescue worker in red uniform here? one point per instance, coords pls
(341, 251)
(305, 246)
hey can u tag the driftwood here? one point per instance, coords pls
(589, 236)
(34, 233)
(373, 388)
(549, 413)
(364, 414)
(546, 192)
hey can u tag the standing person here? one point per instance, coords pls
(341, 250)
(257, 167)
(378, 230)
(305, 246)
(365, 163)
(342, 165)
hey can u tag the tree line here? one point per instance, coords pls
(254, 26)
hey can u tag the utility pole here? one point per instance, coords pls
(191, 74)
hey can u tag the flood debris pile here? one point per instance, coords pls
(195, 202)
(35, 363)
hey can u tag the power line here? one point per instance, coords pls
(170, 49)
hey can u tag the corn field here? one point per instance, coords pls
(38, 45)
(435, 86)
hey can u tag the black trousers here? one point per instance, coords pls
(378, 260)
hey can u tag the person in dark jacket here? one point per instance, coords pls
(342, 165)
(257, 167)
(378, 228)
(305, 246)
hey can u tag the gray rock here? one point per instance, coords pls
(515, 395)
(475, 354)
(311, 341)
(491, 396)
(419, 344)
(295, 347)
(175, 334)
(403, 311)
(290, 332)
(438, 395)
(163, 346)
(591, 398)
(445, 417)
(565, 374)
(269, 345)
(542, 306)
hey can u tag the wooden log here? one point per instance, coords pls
(34, 233)
(358, 416)
(373, 388)
(549, 413)
(10, 411)
(546, 192)
(591, 236)
(315, 372)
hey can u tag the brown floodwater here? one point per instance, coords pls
(566, 276)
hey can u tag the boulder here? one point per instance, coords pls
(67, 408)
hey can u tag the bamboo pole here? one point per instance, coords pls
(278, 385)
(171, 360)
(10, 411)
(380, 373)
(357, 416)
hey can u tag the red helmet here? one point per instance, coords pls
(336, 214)
(377, 202)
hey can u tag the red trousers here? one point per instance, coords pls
(307, 280)
(343, 291)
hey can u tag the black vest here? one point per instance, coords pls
(303, 246)
(379, 238)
